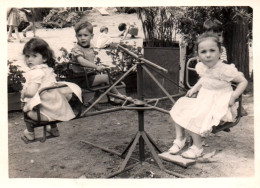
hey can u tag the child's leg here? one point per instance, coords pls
(33, 116)
(29, 131)
(103, 79)
(196, 149)
(197, 139)
(53, 129)
(17, 33)
(180, 140)
(10, 31)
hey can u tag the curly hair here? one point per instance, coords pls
(38, 45)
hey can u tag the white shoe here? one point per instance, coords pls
(29, 135)
(192, 153)
(177, 146)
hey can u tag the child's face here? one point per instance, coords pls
(32, 59)
(84, 37)
(208, 52)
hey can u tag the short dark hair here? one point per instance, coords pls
(103, 28)
(38, 45)
(83, 24)
(206, 35)
(122, 27)
(213, 25)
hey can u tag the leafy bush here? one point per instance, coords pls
(61, 18)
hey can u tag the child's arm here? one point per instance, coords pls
(194, 89)
(82, 61)
(242, 84)
(31, 90)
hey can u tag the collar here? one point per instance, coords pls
(40, 66)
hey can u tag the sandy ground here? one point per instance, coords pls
(69, 157)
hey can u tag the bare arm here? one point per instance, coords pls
(125, 33)
(194, 89)
(82, 61)
(31, 90)
(242, 84)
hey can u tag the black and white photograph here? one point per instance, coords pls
(127, 92)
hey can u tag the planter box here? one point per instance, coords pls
(168, 58)
(14, 102)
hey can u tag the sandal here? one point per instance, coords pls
(177, 146)
(192, 153)
(53, 131)
(29, 135)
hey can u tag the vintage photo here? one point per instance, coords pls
(149, 92)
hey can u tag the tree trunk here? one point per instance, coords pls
(237, 45)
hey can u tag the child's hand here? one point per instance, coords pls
(100, 68)
(232, 101)
(191, 93)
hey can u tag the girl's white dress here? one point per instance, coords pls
(54, 103)
(211, 104)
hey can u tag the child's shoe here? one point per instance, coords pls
(177, 146)
(29, 135)
(192, 153)
(53, 131)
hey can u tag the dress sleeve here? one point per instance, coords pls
(76, 52)
(35, 76)
(229, 72)
(200, 68)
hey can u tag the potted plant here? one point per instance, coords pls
(15, 80)
(160, 46)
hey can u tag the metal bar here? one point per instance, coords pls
(101, 96)
(158, 83)
(130, 152)
(142, 59)
(102, 148)
(154, 154)
(124, 170)
(165, 98)
(154, 65)
(175, 173)
(153, 142)
(128, 146)
(140, 96)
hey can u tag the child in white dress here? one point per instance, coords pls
(54, 103)
(103, 39)
(215, 99)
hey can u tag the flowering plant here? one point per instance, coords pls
(15, 78)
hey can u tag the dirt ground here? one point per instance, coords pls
(69, 157)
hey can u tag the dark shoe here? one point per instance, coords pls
(53, 131)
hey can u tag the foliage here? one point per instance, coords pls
(58, 18)
(122, 61)
(15, 78)
(191, 22)
(159, 24)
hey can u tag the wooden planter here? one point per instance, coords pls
(168, 58)
(14, 102)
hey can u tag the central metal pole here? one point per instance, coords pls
(140, 97)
